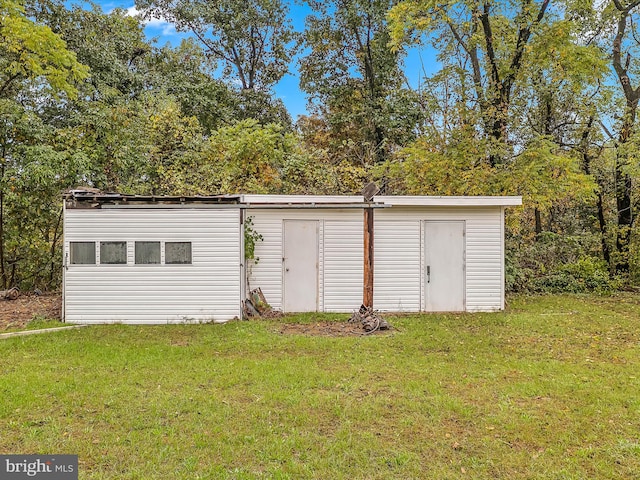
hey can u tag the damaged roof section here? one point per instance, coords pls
(91, 198)
(95, 199)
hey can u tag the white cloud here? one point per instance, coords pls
(153, 22)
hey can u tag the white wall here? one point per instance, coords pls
(210, 288)
(399, 278)
(398, 256)
(397, 267)
(206, 290)
(340, 255)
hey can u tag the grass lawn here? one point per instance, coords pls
(37, 323)
(549, 389)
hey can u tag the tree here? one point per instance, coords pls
(112, 45)
(510, 112)
(33, 176)
(175, 147)
(29, 51)
(253, 39)
(186, 73)
(493, 38)
(35, 64)
(558, 98)
(355, 80)
(625, 64)
(245, 157)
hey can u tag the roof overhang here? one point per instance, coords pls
(329, 201)
(306, 201)
(93, 199)
(442, 201)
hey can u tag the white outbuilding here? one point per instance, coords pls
(141, 259)
(134, 259)
(430, 253)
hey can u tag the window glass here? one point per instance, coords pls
(147, 253)
(83, 253)
(113, 252)
(177, 253)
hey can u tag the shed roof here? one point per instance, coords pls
(441, 201)
(95, 199)
(382, 200)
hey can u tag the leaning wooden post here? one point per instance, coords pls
(367, 296)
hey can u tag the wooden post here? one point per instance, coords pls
(367, 296)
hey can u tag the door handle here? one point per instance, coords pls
(428, 273)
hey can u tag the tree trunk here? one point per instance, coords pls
(623, 189)
(538, 222)
(625, 216)
(3, 272)
(57, 233)
(587, 158)
(622, 179)
(606, 255)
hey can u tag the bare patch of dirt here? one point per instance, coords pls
(18, 313)
(326, 329)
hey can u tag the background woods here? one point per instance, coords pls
(532, 98)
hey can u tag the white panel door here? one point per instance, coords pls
(444, 266)
(300, 266)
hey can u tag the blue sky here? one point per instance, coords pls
(288, 88)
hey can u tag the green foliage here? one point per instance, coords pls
(245, 157)
(557, 263)
(254, 40)
(32, 52)
(186, 73)
(33, 173)
(521, 106)
(174, 145)
(355, 81)
(251, 238)
(112, 45)
(544, 175)
(427, 168)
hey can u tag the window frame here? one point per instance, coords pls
(138, 243)
(86, 243)
(190, 260)
(102, 262)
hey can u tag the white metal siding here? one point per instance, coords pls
(484, 263)
(397, 282)
(267, 273)
(206, 290)
(398, 250)
(343, 264)
(484, 288)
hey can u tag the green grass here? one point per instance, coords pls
(36, 323)
(549, 389)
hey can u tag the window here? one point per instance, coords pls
(82, 253)
(177, 253)
(113, 252)
(147, 253)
